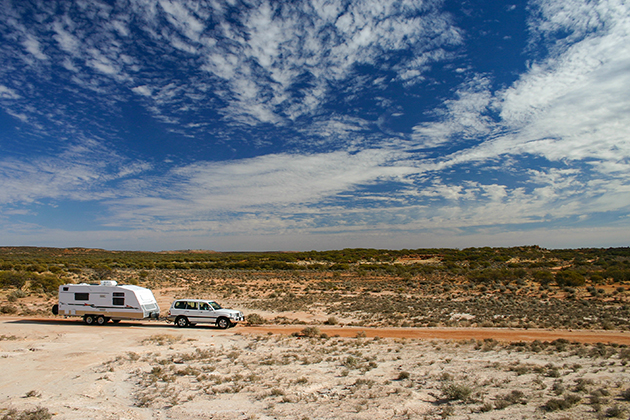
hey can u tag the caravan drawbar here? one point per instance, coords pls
(100, 303)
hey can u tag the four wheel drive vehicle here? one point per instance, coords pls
(185, 312)
(99, 303)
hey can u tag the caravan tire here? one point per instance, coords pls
(181, 322)
(101, 320)
(223, 323)
(88, 319)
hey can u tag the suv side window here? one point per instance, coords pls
(192, 305)
(180, 304)
(203, 306)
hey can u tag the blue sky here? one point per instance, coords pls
(324, 124)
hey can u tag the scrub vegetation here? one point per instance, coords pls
(520, 287)
(311, 375)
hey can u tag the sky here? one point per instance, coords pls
(312, 125)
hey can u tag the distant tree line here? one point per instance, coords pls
(565, 267)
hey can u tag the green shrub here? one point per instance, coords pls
(543, 277)
(14, 278)
(8, 309)
(310, 332)
(570, 278)
(46, 283)
(255, 319)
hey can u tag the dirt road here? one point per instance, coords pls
(500, 334)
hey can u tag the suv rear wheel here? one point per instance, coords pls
(181, 321)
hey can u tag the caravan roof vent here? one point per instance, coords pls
(108, 283)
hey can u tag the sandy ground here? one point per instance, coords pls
(153, 370)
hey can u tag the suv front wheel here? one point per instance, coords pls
(223, 323)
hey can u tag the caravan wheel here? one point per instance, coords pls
(88, 319)
(101, 320)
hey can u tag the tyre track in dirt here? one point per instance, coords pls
(499, 334)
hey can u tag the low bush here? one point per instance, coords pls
(35, 414)
(615, 412)
(567, 402)
(454, 392)
(403, 375)
(8, 309)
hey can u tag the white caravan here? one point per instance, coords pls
(98, 303)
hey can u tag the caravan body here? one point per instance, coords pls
(98, 303)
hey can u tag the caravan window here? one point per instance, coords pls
(81, 296)
(118, 299)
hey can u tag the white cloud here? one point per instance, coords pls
(80, 172)
(66, 40)
(181, 17)
(283, 43)
(573, 105)
(463, 117)
(272, 62)
(570, 107)
(8, 93)
(33, 46)
(272, 181)
(143, 90)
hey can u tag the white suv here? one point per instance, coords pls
(185, 312)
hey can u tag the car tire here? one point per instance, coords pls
(182, 322)
(223, 323)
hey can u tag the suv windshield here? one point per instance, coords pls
(214, 305)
